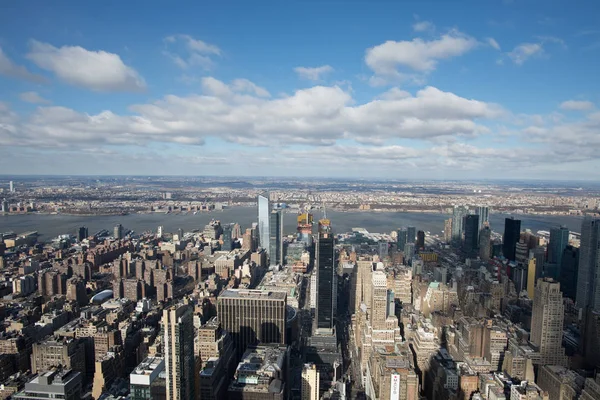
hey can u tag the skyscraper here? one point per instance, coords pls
(485, 243)
(325, 263)
(118, 232)
(411, 232)
(484, 217)
(401, 239)
(264, 211)
(559, 239)
(82, 233)
(310, 382)
(512, 233)
(305, 222)
(227, 237)
(547, 320)
(471, 233)
(275, 237)
(11, 186)
(569, 268)
(420, 240)
(177, 331)
(458, 216)
(251, 316)
(588, 282)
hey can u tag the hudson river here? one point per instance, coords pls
(50, 226)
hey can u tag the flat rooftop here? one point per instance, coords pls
(252, 294)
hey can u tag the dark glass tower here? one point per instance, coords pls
(275, 237)
(402, 239)
(569, 268)
(559, 239)
(411, 232)
(227, 237)
(325, 257)
(512, 233)
(471, 233)
(420, 240)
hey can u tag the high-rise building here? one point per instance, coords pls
(420, 240)
(411, 232)
(82, 233)
(458, 217)
(448, 230)
(177, 331)
(310, 382)
(512, 233)
(325, 263)
(485, 243)
(5, 206)
(305, 222)
(559, 239)
(471, 233)
(11, 186)
(143, 377)
(251, 316)
(53, 384)
(227, 237)
(569, 268)
(264, 211)
(547, 318)
(401, 239)
(118, 232)
(276, 237)
(379, 300)
(484, 217)
(588, 280)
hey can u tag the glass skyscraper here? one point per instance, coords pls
(401, 239)
(458, 219)
(471, 233)
(411, 232)
(275, 237)
(325, 257)
(588, 285)
(264, 211)
(559, 239)
(484, 217)
(512, 233)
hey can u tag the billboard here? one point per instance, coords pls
(395, 387)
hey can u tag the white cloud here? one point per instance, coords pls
(492, 42)
(187, 52)
(524, 51)
(34, 98)
(313, 74)
(423, 26)
(418, 55)
(244, 85)
(96, 70)
(577, 105)
(240, 88)
(10, 69)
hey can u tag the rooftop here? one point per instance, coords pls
(249, 294)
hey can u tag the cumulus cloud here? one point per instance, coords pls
(95, 70)
(33, 97)
(187, 52)
(313, 73)
(10, 69)
(388, 59)
(525, 51)
(577, 105)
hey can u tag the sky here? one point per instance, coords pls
(356, 89)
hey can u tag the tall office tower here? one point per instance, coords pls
(559, 239)
(275, 237)
(411, 232)
(159, 231)
(401, 239)
(118, 232)
(11, 186)
(305, 223)
(485, 243)
(569, 267)
(236, 231)
(227, 237)
(379, 302)
(420, 240)
(310, 382)
(177, 331)
(588, 280)
(512, 233)
(484, 217)
(448, 230)
(264, 211)
(471, 233)
(4, 205)
(547, 320)
(144, 377)
(251, 316)
(458, 216)
(327, 290)
(82, 233)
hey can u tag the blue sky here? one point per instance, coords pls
(458, 89)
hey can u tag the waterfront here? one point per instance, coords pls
(49, 226)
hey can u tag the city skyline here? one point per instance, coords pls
(430, 90)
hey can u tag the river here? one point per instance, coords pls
(50, 226)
